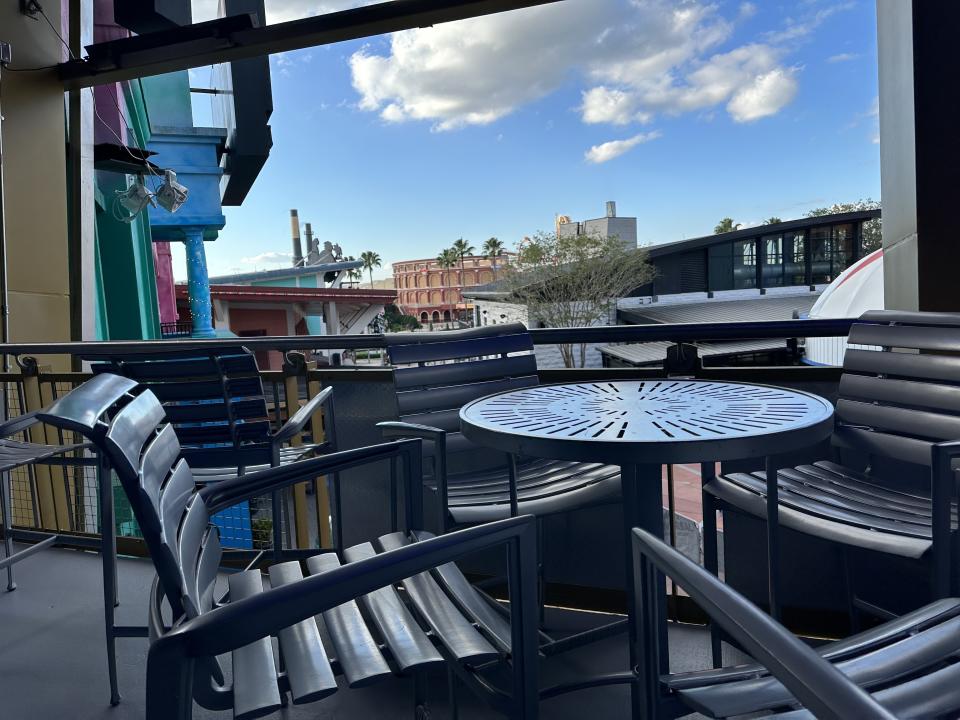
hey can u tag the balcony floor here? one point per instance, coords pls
(52, 656)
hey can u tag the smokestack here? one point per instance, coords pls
(311, 258)
(611, 209)
(295, 232)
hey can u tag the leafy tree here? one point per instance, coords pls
(370, 260)
(447, 259)
(493, 249)
(772, 220)
(574, 281)
(396, 321)
(354, 274)
(726, 225)
(872, 235)
(462, 248)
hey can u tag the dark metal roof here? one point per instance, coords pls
(650, 353)
(655, 251)
(762, 307)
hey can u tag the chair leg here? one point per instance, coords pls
(277, 511)
(853, 612)
(452, 682)
(711, 558)
(541, 582)
(421, 709)
(6, 522)
(108, 555)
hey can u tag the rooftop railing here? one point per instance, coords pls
(64, 498)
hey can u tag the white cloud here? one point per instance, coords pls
(794, 28)
(615, 148)
(268, 258)
(610, 105)
(842, 57)
(765, 96)
(639, 58)
(747, 10)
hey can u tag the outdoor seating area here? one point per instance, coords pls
(452, 580)
(462, 445)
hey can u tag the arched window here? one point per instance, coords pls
(436, 316)
(446, 316)
(435, 297)
(434, 279)
(424, 317)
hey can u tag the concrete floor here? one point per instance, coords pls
(53, 666)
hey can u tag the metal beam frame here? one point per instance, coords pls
(222, 45)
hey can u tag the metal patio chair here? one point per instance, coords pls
(472, 637)
(899, 406)
(216, 402)
(908, 665)
(435, 375)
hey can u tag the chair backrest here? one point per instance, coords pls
(127, 424)
(214, 400)
(438, 373)
(900, 391)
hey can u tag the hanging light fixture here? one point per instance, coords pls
(134, 199)
(171, 195)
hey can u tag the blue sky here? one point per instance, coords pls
(682, 112)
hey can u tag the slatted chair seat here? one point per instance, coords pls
(395, 605)
(435, 374)
(543, 487)
(908, 667)
(898, 406)
(887, 656)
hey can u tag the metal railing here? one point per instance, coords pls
(64, 499)
(676, 333)
(179, 329)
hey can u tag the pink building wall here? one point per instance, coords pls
(255, 321)
(166, 296)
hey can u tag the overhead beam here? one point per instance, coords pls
(385, 17)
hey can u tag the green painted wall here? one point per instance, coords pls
(126, 307)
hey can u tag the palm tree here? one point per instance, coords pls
(370, 260)
(772, 220)
(447, 259)
(462, 248)
(492, 249)
(726, 225)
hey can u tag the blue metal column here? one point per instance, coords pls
(198, 284)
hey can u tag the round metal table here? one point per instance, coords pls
(642, 425)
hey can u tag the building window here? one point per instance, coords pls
(821, 252)
(772, 269)
(795, 261)
(744, 264)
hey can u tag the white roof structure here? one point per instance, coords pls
(857, 289)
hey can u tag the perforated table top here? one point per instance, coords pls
(648, 421)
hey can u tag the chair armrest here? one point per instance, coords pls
(299, 420)
(822, 689)
(226, 493)
(18, 424)
(393, 429)
(240, 623)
